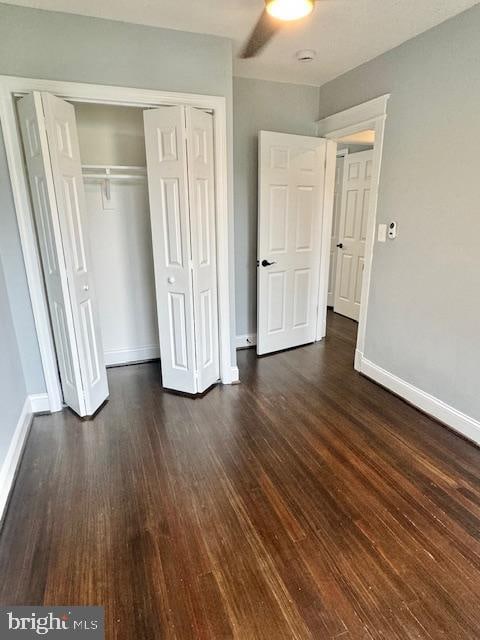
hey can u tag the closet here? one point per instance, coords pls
(112, 150)
(124, 207)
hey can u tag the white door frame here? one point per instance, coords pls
(11, 87)
(368, 115)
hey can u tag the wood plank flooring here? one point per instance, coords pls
(304, 503)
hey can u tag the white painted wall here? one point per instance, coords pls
(110, 134)
(120, 234)
(121, 250)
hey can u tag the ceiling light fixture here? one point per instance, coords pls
(289, 9)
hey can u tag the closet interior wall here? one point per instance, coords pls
(112, 144)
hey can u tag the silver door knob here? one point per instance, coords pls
(85, 287)
(171, 280)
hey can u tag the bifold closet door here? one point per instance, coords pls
(52, 156)
(201, 179)
(180, 166)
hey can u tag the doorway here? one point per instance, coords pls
(180, 162)
(112, 151)
(366, 117)
(15, 88)
(294, 175)
(353, 176)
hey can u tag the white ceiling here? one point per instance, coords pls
(344, 33)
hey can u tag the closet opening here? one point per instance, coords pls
(112, 152)
(124, 207)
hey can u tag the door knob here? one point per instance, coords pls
(340, 245)
(171, 280)
(85, 287)
(266, 263)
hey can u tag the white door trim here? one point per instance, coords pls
(327, 221)
(368, 115)
(10, 87)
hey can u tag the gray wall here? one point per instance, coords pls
(14, 271)
(424, 311)
(64, 46)
(13, 391)
(80, 49)
(259, 105)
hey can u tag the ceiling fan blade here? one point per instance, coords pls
(265, 28)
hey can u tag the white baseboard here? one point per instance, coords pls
(235, 375)
(124, 356)
(246, 340)
(39, 403)
(357, 365)
(461, 422)
(14, 454)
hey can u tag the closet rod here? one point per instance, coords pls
(112, 176)
(114, 167)
(112, 172)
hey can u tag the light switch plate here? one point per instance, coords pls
(382, 233)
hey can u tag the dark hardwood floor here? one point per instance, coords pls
(306, 502)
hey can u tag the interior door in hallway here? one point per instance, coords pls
(290, 214)
(352, 233)
(337, 202)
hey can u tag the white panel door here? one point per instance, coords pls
(291, 190)
(357, 176)
(337, 200)
(165, 141)
(53, 164)
(200, 160)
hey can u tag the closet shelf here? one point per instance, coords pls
(113, 172)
